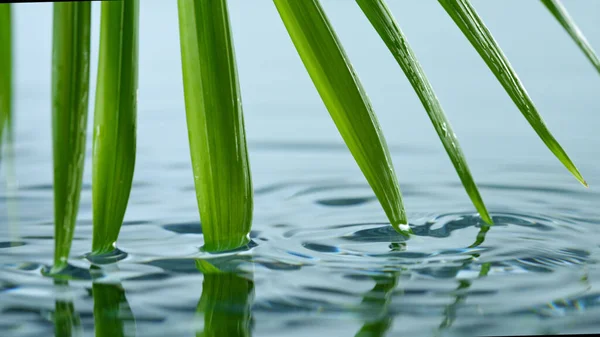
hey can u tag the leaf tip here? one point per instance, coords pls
(485, 216)
(579, 178)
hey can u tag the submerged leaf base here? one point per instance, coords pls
(230, 244)
(66, 272)
(112, 256)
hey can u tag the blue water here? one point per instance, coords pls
(323, 260)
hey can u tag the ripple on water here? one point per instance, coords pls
(505, 245)
(342, 202)
(11, 244)
(70, 272)
(357, 268)
(111, 257)
(194, 228)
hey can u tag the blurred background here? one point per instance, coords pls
(282, 107)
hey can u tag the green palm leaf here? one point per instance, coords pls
(114, 121)
(5, 70)
(215, 124)
(344, 97)
(469, 22)
(383, 21)
(70, 85)
(560, 13)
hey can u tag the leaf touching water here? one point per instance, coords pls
(5, 70)
(70, 85)
(114, 120)
(469, 22)
(346, 100)
(560, 13)
(215, 124)
(383, 21)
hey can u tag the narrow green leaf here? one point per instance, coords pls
(383, 21)
(112, 314)
(5, 70)
(560, 13)
(6, 132)
(343, 95)
(114, 120)
(469, 22)
(70, 86)
(215, 124)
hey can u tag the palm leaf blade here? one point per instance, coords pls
(345, 99)
(114, 121)
(215, 124)
(384, 23)
(70, 86)
(469, 22)
(560, 13)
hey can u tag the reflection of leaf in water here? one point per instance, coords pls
(111, 311)
(379, 296)
(225, 304)
(207, 268)
(376, 328)
(481, 235)
(450, 311)
(66, 320)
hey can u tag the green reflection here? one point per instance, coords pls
(225, 304)
(480, 236)
(379, 297)
(65, 318)
(112, 314)
(464, 285)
